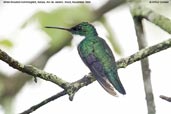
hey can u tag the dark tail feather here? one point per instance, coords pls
(120, 88)
(117, 84)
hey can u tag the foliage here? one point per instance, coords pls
(6, 43)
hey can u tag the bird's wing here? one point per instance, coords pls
(115, 78)
(97, 69)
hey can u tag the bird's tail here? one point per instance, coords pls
(104, 82)
(115, 81)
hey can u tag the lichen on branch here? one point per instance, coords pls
(31, 70)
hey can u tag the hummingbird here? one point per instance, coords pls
(97, 56)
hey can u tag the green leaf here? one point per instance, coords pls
(6, 43)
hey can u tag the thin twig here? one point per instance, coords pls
(165, 98)
(35, 107)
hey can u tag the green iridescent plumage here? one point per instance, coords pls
(98, 57)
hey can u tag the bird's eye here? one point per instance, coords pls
(79, 28)
(74, 28)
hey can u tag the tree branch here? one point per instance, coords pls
(86, 80)
(157, 19)
(165, 98)
(33, 108)
(32, 70)
(143, 53)
(145, 66)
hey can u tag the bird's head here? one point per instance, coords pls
(82, 29)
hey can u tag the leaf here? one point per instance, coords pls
(6, 43)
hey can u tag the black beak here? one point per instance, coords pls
(58, 28)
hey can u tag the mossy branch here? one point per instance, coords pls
(31, 70)
(143, 53)
(161, 21)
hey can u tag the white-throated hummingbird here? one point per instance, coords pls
(98, 57)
